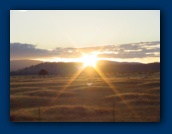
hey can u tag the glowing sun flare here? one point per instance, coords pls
(89, 60)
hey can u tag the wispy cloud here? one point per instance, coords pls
(23, 50)
(131, 50)
(19, 50)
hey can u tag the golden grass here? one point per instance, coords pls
(41, 99)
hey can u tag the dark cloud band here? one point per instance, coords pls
(130, 50)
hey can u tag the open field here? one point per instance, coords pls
(122, 97)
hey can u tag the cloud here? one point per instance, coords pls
(130, 50)
(19, 50)
(23, 50)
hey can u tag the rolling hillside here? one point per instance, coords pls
(20, 64)
(59, 68)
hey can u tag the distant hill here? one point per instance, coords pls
(20, 64)
(110, 66)
(61, 68)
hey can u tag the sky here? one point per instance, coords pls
(45, 31)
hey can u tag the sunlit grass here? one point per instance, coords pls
(71, 99)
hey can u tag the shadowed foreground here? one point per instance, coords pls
(34, 98)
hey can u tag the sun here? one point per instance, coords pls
(89, 60)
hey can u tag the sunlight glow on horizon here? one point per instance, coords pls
(89, 60)
(141, 60)
(86, 59)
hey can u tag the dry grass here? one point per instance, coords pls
(46, 99)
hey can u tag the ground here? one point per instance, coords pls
(119, 97)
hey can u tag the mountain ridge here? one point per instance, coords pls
(65, 68)
(22, 63)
